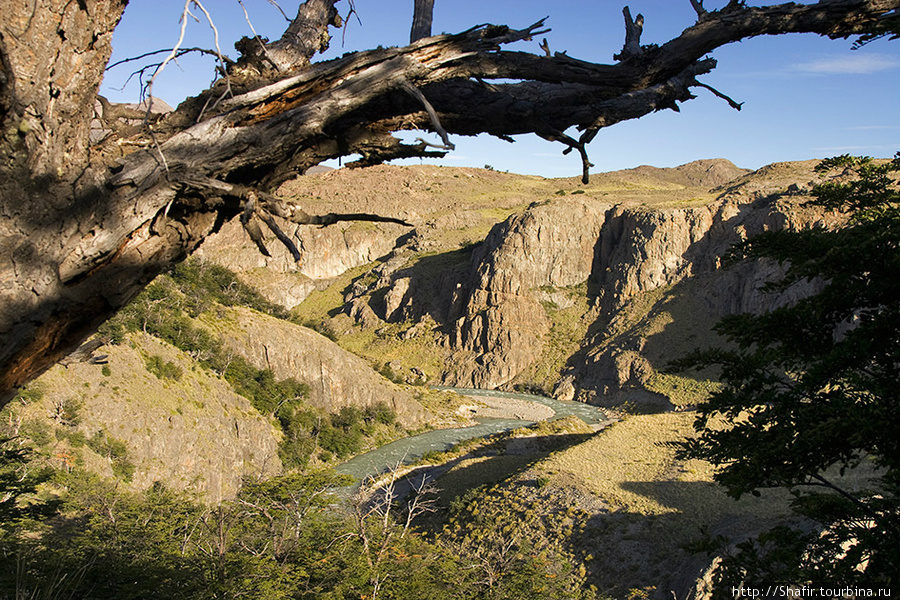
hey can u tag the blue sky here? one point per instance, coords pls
(805, 96)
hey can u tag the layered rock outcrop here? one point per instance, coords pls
(327, 252)
(623, 252)
(336, 377)
(500, 321)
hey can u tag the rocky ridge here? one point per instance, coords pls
(336, 378)
(187, 429)
(576, 273)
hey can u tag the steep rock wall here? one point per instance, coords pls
(327, 252)
(499, 320)
(191, 432)
(623, 252)
(336, 377)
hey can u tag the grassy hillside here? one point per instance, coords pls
(555, 511)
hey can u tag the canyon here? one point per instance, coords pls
(502, 281)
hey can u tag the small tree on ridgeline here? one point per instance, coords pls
(810, 391)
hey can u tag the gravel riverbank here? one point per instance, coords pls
(493, 407)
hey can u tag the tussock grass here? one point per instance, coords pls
(630, 466)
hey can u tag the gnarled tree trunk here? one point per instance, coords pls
(84, 226)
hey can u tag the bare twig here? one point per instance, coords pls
(276, 5)
(351, 12)
(856, 501)
(698, 8)
(732, 103)
(262, 44)
(172, 55)
(435, 121)
(179, 53)
(221, 58)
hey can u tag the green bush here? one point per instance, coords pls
(114, 450)
(33, 393)
(380, 413)
(37, 431)
(163, 369)
(339, 442)
(204, 283)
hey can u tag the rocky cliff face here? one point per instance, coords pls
(436, 200)
(327, 252)
(498, 321)
(336, 377)
(188, 429)
(573, 290)
(625, 254)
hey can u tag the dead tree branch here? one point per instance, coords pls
(634, 27)
(698, 8)
(432, 114)
(732, 103)
(423, 13)
(109, 223)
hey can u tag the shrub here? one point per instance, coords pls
(65, 412)
(163, 369)
(339, 442)
(380, 413)
(204, 283)
(115, 451)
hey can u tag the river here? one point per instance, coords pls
(411, 449)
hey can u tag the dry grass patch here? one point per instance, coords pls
(658, 505)
(633, 469)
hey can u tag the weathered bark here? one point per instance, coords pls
(83, 228)
(423, 12)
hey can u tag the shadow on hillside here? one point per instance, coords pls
(632, 341)
(668, 551)
(486, 466)
(433, 281)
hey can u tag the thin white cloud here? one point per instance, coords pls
(872, 128)
(849, 64)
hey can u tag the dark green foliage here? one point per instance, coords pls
(811, 389)
(19, 480)
(204, 283)
(280, 538)
(343, 433)
(380, 413)
(115, 451)
(163, 369)
(37, 432)
(32, 393)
